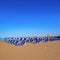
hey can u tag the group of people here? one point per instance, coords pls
(22, 40)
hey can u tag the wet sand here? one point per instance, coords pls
(41, 51)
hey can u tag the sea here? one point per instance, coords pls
(1, 38)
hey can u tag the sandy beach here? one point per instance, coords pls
(41, 51)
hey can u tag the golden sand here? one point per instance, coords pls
(41, 51)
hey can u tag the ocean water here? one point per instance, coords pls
(1, 38)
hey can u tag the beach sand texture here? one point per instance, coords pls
(41, 51)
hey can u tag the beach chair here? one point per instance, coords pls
(37, 40)
(58, 38)
(13, 41)
(31, 40)
(27, 40)
(20, 39)
(16, 42)
(51, 39)
(22, 43)
(19, 43)
(46, 40)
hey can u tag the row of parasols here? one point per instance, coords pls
(22, 40)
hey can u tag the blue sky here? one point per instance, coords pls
(29, 17)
